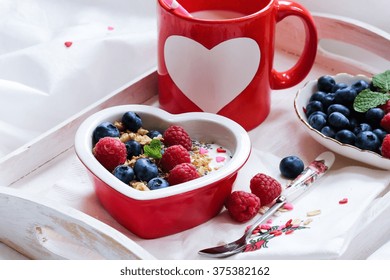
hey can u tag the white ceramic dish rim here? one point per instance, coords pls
(341, 77)
(84, 150)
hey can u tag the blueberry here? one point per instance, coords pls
(132, 121)
(154, 133)
(145, 169)
(374, 115)
(338, 86)
(367, 140)
(338, 120)
(329, 99)
(338, 108)
(346, 136)
(103, 130)
(380, 133)
(319, 113)
(313, 106)
(360, 85)
(362, 127)
(318, 96)
(328, 131)
(345, 96)
(291, 166)
(157, 183)
(134, 148)
(326, 83)
(124, 173)
(317, 121)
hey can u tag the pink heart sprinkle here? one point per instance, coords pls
(288, 206)
(203, 151)
(343, 201)
(220, 159)
(68, 44)
(110, 28)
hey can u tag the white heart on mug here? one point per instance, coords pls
(211, 78)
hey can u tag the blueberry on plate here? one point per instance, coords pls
(345, 96)
(132, 121)
(291, 166)
(157, 183)
(326, 83)
(338, 86)
(105, 129)
(360, 85)
(317, 121)
(134, 148)
(338, 120)
(318, 96)
(345, 136)
(328, 131)
(361, 127)
(380, 133)
(313, 106)
(124, 173)
(145, 169)
(367, 140)
(374, 116)
(339, 108)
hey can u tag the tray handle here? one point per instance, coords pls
(40, 229)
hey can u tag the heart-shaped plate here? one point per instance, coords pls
(157, 213)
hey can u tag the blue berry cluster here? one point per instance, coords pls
(330, 111)
(144, 169)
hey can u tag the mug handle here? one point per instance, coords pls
(291, 77)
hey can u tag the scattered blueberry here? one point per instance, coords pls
(103, 130)
(291, 166)
(326, 83)
(134, 148)
(157, 183)
(346, 136)
(318, 96)
(367, 140)
(338, 120)
(145, 169)
(131, 121)
(124, 173)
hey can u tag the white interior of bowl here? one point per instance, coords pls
(201, 126)
(300, 102)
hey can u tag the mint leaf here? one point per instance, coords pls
(368, 99)
(382, 81)
(153, 150)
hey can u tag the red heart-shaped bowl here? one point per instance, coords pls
(157, 213)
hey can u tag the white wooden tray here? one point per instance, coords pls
(45, 230)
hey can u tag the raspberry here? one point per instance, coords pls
(181, 173)
(386, 107)
(385, 122)
(242, 206)
(385, 149)
(173, 156)
(176, 135)
(110, 152)
(265, 187)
